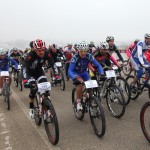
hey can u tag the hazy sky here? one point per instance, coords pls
(74, 20)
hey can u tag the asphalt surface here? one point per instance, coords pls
(19, 132)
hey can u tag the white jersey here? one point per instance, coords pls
(139, 50)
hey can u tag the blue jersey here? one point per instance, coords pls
(80, 65)
(4, 63)
(139, 50)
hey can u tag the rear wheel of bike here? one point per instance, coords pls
(79, 114)
(50, 121)
(62, 83)
(145, 120)
(16, 79)
(97, 116)
(115, 101)
(37, 117)
(20, 82)
(135, 93)
(6, 94)
(124, 86)
(127, 68)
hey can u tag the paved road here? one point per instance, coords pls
(19, 132)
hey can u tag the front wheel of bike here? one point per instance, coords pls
(6, 94)
(127, 68)
(78, 113)
(97, 116)
(134, 92)
(145, 120)
(62, 83)
(37, 117)
(50, 121)
(115, 101)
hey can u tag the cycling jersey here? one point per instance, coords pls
(14, 56)
(137, 57)
(104, 59)
(115, 49)
(34, 64)
(78, 66)
(4, 63)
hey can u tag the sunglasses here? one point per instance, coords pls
(41, 50)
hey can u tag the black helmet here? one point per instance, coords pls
(31, 44)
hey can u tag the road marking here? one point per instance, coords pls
(40, 131)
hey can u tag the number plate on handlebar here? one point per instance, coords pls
(4, 73)
(110, 73)
(115, 67)
(45, 86)
(91, 84)
(58, 64)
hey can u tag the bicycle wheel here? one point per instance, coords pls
(62, 83)
(6, 94)
(124, 86)
(145, 120)
(37, 117)
(50, 121)
(16, 79)
(127, 68)
(115, 101)
(97, 116)
(20, 82)
(79, 114)
(135, 93)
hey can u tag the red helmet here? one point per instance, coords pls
(39, 44)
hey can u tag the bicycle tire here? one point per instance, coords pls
(125, 91)
(48, 106)
(37, 117)
(62, 83)
(16, 79)
(133, 96)
(124, 70)
(6, 95)
(101, 117)
(79, 114)
(142, 120)
(20, 82)
(115, 100)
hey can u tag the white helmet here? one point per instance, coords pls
(109, 38)
(60, 46)
(147, 35)
(2, 52)
(104, 45)
(82, 46)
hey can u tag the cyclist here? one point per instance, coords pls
(92, 47)
(131, 47)
(68, 52)
(113, 47)
(4, 66)
(140, 57)
(78, 69)
(33, 63)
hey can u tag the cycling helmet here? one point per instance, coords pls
(147, 35)
(60, 46)
(136, 40)
(104, 45)
(2, 52)
(69, 44)
(31, 44)
(109, 38)
(39, 44)
(15, 48)
(82, 46)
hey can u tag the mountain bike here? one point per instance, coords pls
(109, 90)
(6, 88)
(92, 105)
(43, 108)
(145, 120)
(139, 86)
